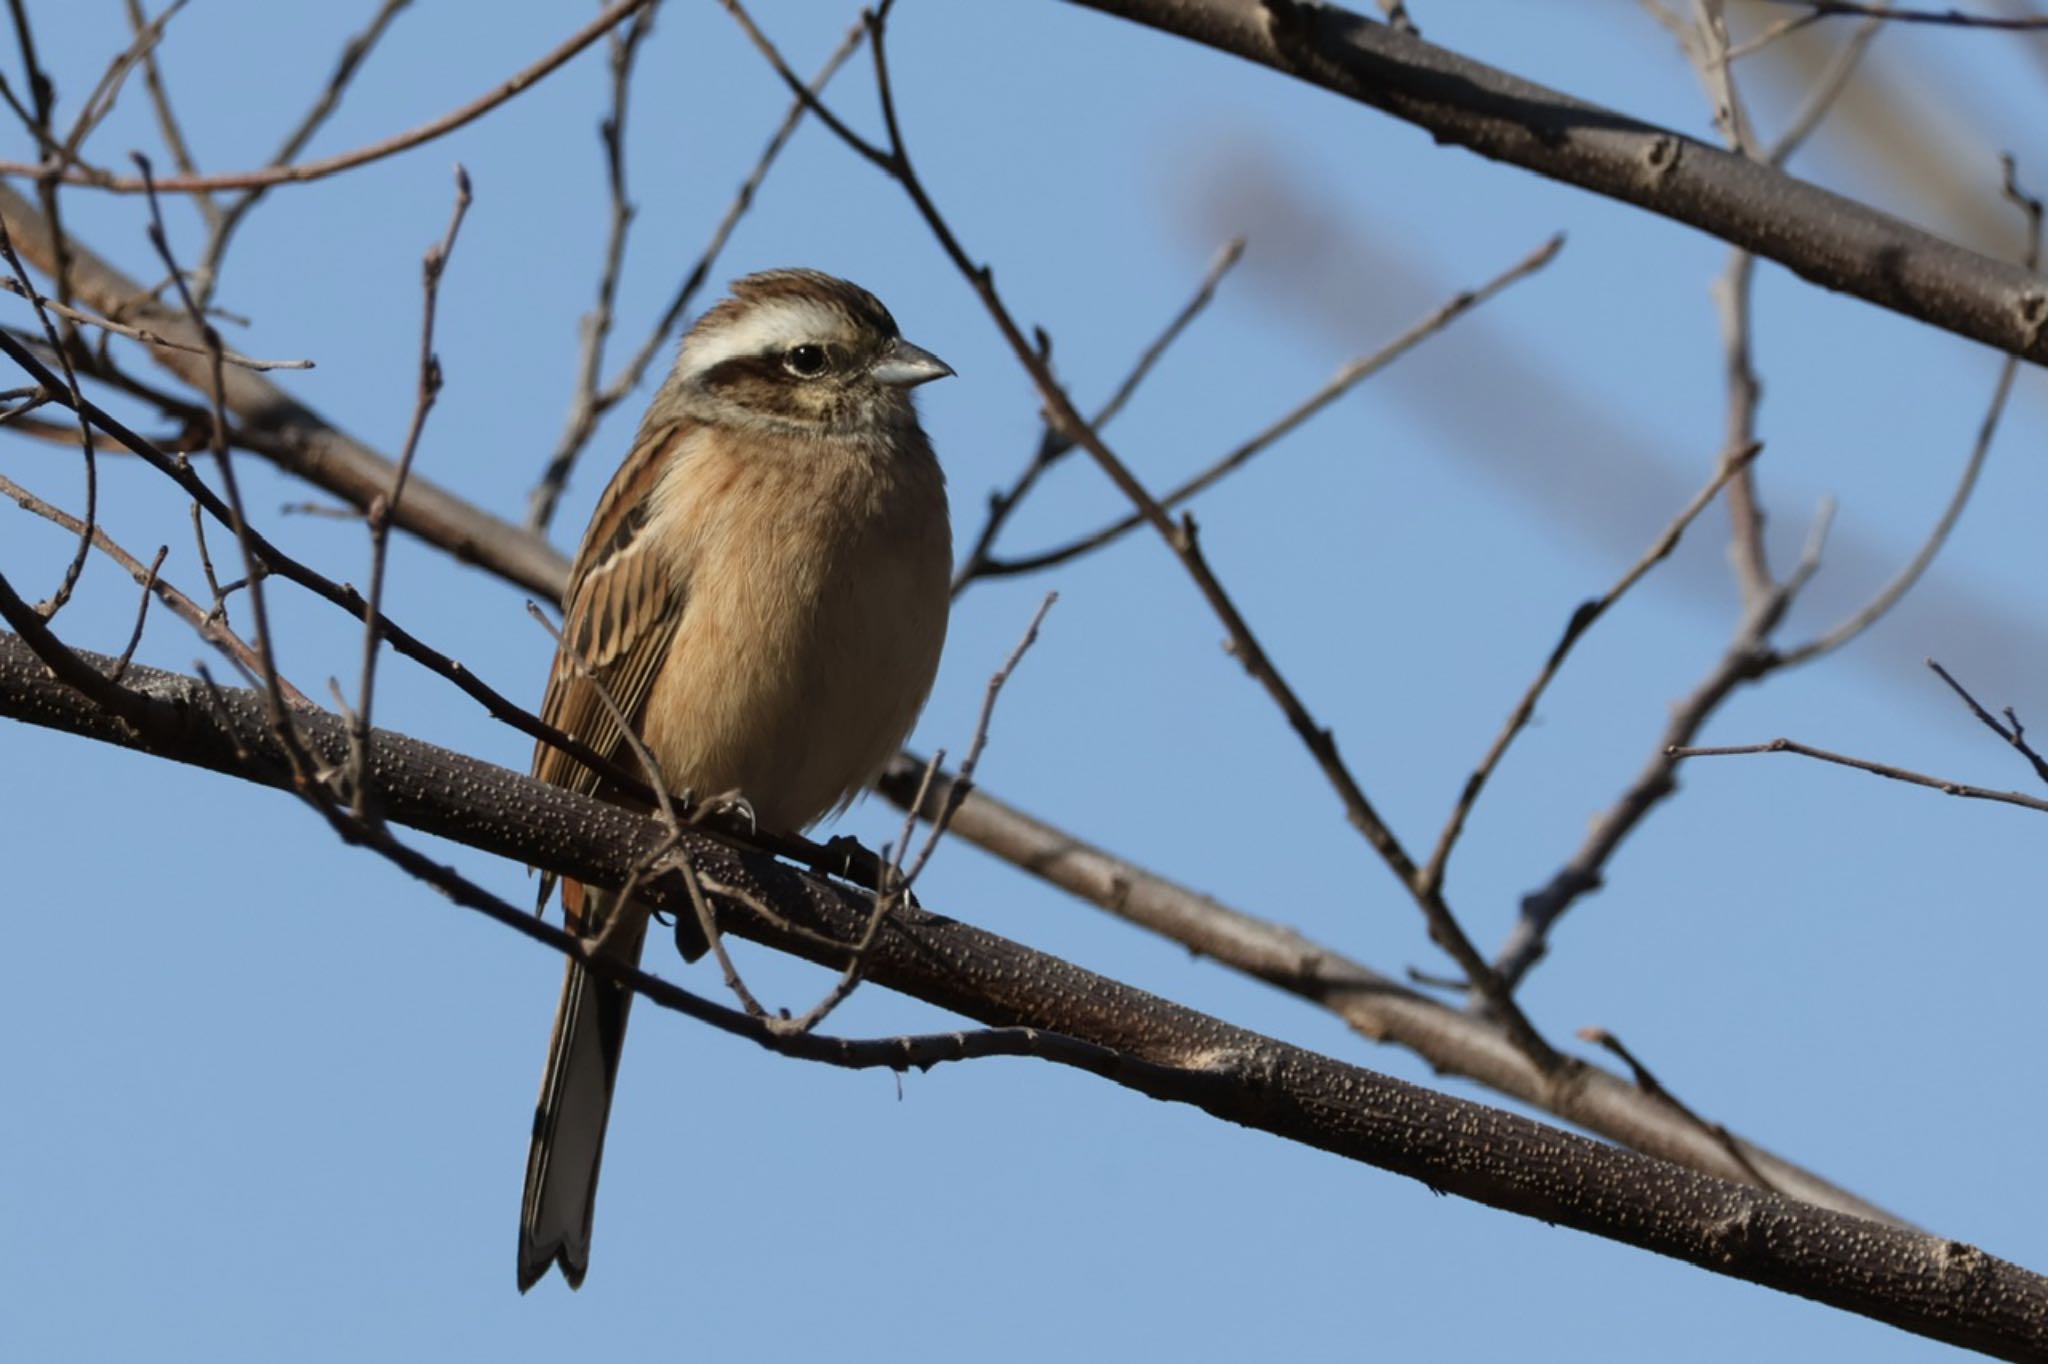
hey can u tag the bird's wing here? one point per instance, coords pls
(625, 600)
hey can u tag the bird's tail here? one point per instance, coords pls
(575, 1104)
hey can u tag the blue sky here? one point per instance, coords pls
(271, 1097)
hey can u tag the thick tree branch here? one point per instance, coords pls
(1833, 241)
(1938, 1288)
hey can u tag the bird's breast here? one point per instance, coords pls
(814, 586)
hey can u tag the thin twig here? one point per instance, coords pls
(893, 860)
(1886, 770)
(40, 88)
(708, 929)
(2013, 732)
(1733, 293)
(330, 165)
(1903, 581)
(1827, 88)
(281, 429)
(1784, 28)
(100, 102)
(1949, 18)
(210, 624)
(380, 513)
(963, 780)
(167, 123)
(91, 319)
(1748, 553)
(596, 326)
(1706, 41)
(1647, 1081)
(222, 228)
(67, 665)
(897, 881)
(1748, 657)
(1582, 619)
(76, 565)
(1052, 444)
(1349, 376)
(141, 615)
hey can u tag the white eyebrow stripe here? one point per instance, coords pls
(759, 331)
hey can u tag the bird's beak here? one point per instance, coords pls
(906, 366)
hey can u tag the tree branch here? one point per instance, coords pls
(300, 172)
(1935, 1287)
(1831, 240)
(1452, 1041)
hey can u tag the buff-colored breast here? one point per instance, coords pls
(815, 584)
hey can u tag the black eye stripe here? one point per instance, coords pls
(742, 370)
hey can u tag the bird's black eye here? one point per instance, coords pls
(806, 361)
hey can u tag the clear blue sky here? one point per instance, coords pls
(268, 1098)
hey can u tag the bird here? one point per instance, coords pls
(762, 592)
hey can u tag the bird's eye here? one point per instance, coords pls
(806, 361)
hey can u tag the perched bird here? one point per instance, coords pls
(762, 591)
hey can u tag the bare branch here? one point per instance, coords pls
(21, 289)
(1749, 656)
(1831, 240)
(1381, 1009)
(1948, 18)
(1878, 769)
(330, 165)
(1652, 1086)
(963, 781)
(100, 102)
(1052, 445)
(1827, 88)
(1706, 46)
(597, 323)
(1589, 611)
(2012, 732)
(1928, 1284)
(431, 268)
(1902, 582)
(141, 613)
(1348, 377)
(210, 625)
(222, 226)
(78, 672)
(172, 131)
(76, 566)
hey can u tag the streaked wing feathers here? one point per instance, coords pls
(624, 602)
